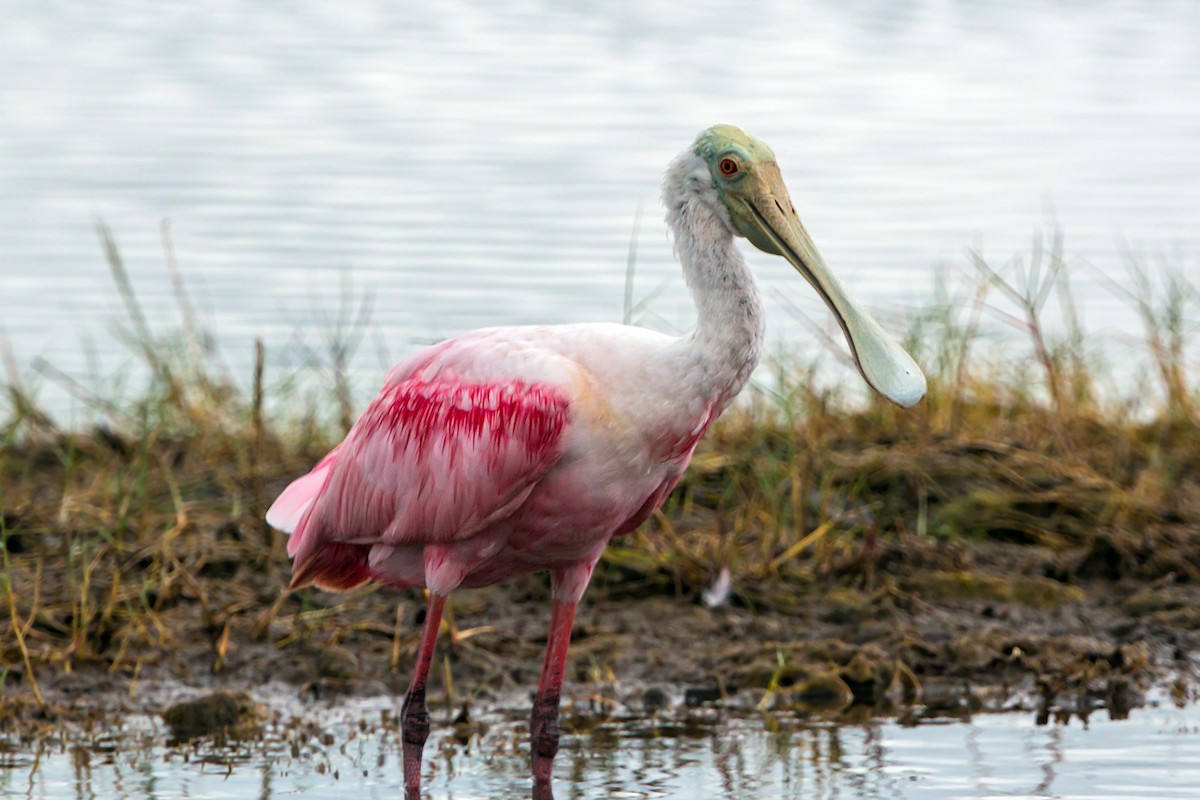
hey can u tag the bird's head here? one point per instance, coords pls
(748, 184)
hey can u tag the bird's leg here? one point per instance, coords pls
(414, 716)
(543, 726)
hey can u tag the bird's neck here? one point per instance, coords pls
(725, 346)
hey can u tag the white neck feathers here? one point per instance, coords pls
(728, 338)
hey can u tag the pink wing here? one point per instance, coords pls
(430, 461)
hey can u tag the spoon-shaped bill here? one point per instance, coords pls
(884, 364)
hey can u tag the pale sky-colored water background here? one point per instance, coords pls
(475, 166)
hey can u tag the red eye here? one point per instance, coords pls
(728, 166)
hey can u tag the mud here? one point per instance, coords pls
(913, 627)
(1053, 567)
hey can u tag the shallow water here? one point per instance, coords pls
(1155, 753)
(475, 166)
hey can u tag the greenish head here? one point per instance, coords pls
(748, 182)
(720, 140)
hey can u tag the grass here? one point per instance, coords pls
(144, 534)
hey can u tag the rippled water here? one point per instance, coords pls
(475, 166)
(1153, 754)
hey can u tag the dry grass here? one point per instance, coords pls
(144, 534)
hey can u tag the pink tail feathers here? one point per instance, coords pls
(289, 511)
(331, 565)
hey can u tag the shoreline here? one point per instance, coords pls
(925, 641)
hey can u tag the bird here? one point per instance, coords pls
(513, 450)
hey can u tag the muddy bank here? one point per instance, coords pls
(963, 556)
(909, 627)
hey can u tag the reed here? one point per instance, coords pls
(143, 535)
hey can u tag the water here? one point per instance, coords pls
(471, 165)
(1155, 753)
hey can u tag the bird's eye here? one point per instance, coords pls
(728, 166)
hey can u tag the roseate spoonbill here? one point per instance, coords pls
(513, 450)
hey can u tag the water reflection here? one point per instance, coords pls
(1155, 753)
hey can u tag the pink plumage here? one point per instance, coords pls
(428, 463)
(514, 450)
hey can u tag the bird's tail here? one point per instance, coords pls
(290, 508)
(335, 566)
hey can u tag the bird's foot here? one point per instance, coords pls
(414, 730)
(541, 791)
(544, 735)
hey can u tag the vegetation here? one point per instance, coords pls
(1024, 478)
